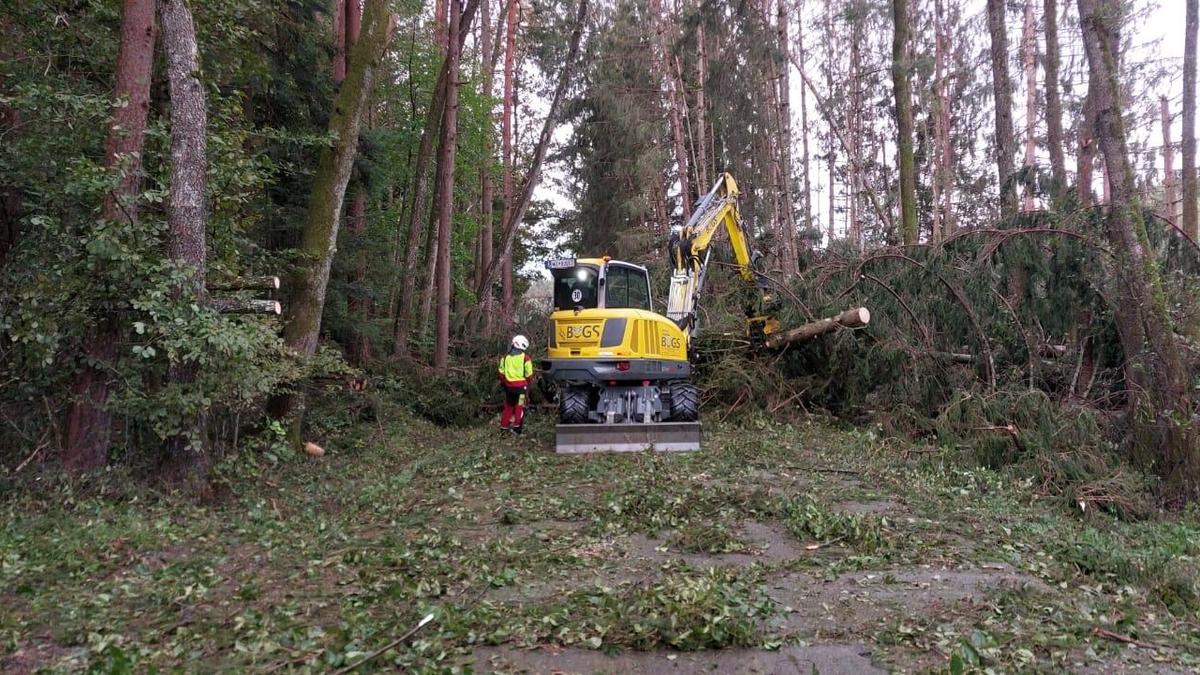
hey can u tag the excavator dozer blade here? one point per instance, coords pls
(661, 436)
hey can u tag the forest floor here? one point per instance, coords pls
(779, 548)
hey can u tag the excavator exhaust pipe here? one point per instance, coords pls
(631, 437)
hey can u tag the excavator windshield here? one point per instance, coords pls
(576, 287)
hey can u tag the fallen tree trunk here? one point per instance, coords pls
(851, 318)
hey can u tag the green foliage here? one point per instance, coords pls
(685, 610)
(806, 518)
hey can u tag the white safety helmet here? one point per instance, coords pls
(521, 342)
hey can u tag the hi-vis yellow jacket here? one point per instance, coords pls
(515, 369)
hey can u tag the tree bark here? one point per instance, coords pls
(514, 217)
(319, 238)
(1029, 57)
(445, 196)
(701, 110)
(89, 424)
(1190, 196)
(1158, 385)
(851, 318)
(486, 189)
(904, 123)
(506, 151)
(785, 149)
(1002, 95)
(944, 180)
(187, 458)
(1054, 112)
(805, 176)
(1170, 197)
(1086, 157)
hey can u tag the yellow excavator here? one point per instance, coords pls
(622, 370)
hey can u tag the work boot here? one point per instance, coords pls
(518, 429)
(504, 431)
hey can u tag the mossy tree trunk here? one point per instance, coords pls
(319, 238)
(1157, 383)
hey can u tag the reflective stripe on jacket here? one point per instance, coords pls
(516, 369)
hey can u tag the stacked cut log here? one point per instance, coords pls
(245, 305)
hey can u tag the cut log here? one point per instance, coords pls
(252, 306)
(851, 318)
(245, 284)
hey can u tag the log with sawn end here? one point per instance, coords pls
(267, 283)
(851, 318)
(252, 306)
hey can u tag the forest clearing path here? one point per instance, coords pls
(778, 548)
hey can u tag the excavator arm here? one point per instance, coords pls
(690, 249)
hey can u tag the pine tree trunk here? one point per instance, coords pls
(702, 159)
(187, 457)
(357, 304)
(904, 123)
(513, 217)
(1002, 98)
(1054, 111)
(660, 53)
(445, 200)
(785, 149)
(319, 238)
(1190, 196)
(89, 423)
(806, 178)
(486, 190)
(1170, 198)
(854, 153)
(1086, 157)
(1158, 384)
(832, 163)
(944, 154)
(506, 152)
(1029, 57)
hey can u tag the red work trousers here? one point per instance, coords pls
(514, 406)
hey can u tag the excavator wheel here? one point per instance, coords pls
(685, 402)
(572, 406)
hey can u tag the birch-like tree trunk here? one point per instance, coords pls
(319, 237)
(187, 458)
(89, 423)
(1158, 385)
(1002, 99)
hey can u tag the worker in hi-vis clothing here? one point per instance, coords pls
(516, 373)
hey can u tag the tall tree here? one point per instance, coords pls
(186, 220)
(806, 177)
(89, 423)
(513, 217)
(506, 176)
(486, 189)
(420, 193)
(1054, 111)
(1157, 383)
(904, 124)
(319, 236)
(1029, 61)
(447, 147)
(1002, 97)
(785, 134)
(1191, 221)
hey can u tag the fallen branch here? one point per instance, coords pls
(375, 654)
(1124, 639)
